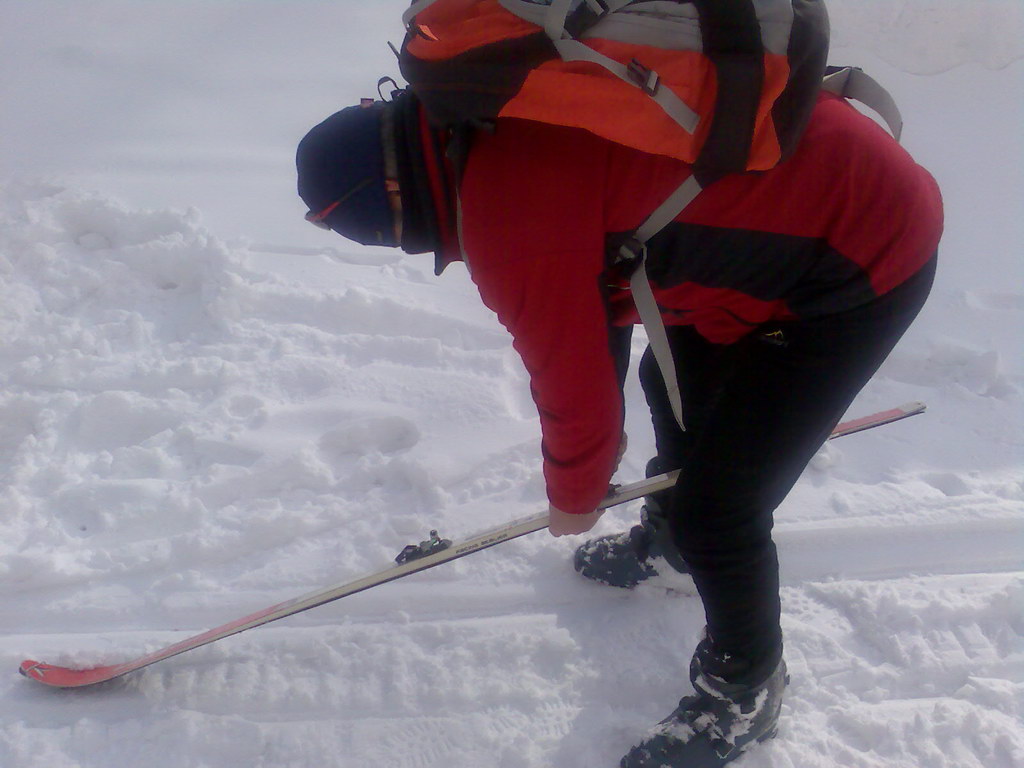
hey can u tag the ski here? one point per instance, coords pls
(877, 419)
(413, 559)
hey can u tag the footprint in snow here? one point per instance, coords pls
(949, 483)
(977, 370)
(385, 434)
(996, 300)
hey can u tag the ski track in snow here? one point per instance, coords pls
(193, 428)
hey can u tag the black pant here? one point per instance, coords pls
(756, 412)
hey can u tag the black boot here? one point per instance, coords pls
(629, 558)
(643, 552)
(719, 722)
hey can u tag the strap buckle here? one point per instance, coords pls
(589, 13)
(648, 80)
(629, 254)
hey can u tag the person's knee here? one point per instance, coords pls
(722, 538)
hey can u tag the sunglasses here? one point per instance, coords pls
(318, 218)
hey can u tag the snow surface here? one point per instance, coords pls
(207, 407)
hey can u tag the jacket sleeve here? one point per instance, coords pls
(533, 233)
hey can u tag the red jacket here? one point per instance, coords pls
(847, 218)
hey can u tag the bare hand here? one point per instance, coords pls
(563, 524)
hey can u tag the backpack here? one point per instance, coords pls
(727, 86)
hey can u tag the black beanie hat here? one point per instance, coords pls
(342, 159)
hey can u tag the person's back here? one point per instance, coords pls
(538, 202)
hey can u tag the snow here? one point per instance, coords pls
(207, 407)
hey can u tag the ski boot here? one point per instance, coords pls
(643, 552)
(718, 723)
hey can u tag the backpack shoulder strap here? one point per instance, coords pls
(848, 82)
(853, 83)
(633, 253)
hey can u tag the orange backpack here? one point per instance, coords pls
(727, 86)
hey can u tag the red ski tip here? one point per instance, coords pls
(63, 677)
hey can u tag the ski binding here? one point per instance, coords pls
(415, 551)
